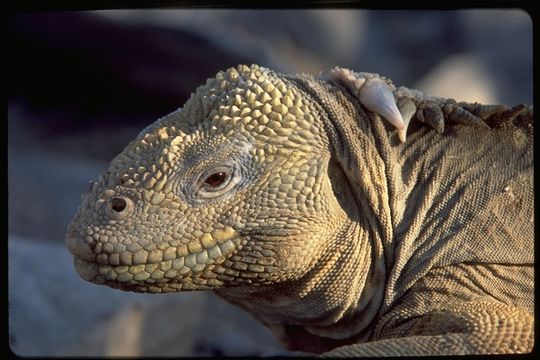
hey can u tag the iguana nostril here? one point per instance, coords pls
(119, 207)
(118, 204)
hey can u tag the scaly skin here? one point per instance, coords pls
(286, 195)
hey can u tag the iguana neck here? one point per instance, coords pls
(335, 302)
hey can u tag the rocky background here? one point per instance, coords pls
(82, 84)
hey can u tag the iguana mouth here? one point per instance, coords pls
(159, 275)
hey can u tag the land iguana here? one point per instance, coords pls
(289, 197)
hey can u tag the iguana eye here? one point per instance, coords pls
(216, 181)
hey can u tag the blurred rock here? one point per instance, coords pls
(462, 78)
(406, 45)
(304, 40)
(402, 45)
(49, 305)
(44, 187)
(45, 191)
(502, 39)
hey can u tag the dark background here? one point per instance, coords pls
(83, 84)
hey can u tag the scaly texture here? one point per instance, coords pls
(291, 198)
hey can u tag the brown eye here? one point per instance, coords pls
(216, 179)
(216, 182)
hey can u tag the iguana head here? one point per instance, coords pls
(231, 189)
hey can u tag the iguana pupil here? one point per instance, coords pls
(118, 204)
(216, 179)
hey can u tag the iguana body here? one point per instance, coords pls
(290, 198)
